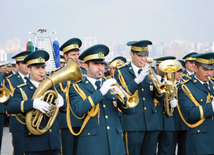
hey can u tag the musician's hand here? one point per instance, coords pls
(61, 101)
(116, 90)
(107, 85)
(40, 105)
(173, 103)
(143, 74)
(168, 82)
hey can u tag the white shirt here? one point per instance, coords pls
(203, 82)
(35, 83)
(92, 80)
(135, 69)
(23, 77)
(190, 72)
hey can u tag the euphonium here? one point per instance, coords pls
(71, 72)
(170, 67)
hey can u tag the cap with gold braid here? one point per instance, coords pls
(140, 47)
(161, 59)
(62, 58)
(95, 53)
(71, 45)
(39, 57)
(205, 59)
(21, 56)
(189, 57)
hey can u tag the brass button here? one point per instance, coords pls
(198, 130)
(113, 98)
(89, 133)
(50, 130)
(106, 116)
(29, 133)
(18, 76)
(195, 81)
(142, 89)
(86, 82)
(144, 98)
(144, 108)
(201, 100)
(104, 106)
(31, 87)
(108, 127)
(130, 67)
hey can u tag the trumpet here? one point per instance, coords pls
(4, 93)
(132, 101)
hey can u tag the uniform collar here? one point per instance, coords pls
(35, 83)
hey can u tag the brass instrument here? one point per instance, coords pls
(132, 101)
(34, 117)
(170, 67)
(156, 82)
(4, 93)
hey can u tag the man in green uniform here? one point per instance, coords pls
(196, 103)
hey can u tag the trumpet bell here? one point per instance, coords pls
(168, 66)
(4, 95)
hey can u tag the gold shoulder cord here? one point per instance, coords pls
(11, 87)
(91, 113)
(24, 96)
(66, 88)
(189, 94)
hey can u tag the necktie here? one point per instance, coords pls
(26, 79)
(97, 83)
(206, 86)
(139, 71)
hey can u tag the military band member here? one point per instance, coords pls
(102, 133)
(16, 126)
(196, 103)
(180, 126)
(22, 102)
(166, 136)
(71, 49)
(62, 61)
(144, 124)
(116, 62)
(189, 65)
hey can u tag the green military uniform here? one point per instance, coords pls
(68, 140)
(16, 123)
(22, 102)
(144, 123)
(102, 133)
(195, 102)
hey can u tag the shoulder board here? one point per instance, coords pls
(21, 85)
(123, 65)
(9, 76)
(212, 78)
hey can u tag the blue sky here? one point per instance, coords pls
(113, 21)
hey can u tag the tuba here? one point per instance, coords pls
(71, 72)
(170, 67)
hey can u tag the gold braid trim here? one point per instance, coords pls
(24, 96)
(189, 94)
(93, 112)
(11, 87)
(123, 82)
(126, 141)
(186, 76)
(66, 88)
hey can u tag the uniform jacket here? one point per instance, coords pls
(15, 80)
(202, 137)
(146, 117)
(2, 106)
(49, 140)
(102, 134)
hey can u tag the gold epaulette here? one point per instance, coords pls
(123, 65)
(21, 85)
(9, 76)
(184, 81)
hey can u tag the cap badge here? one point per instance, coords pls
(101, 55)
